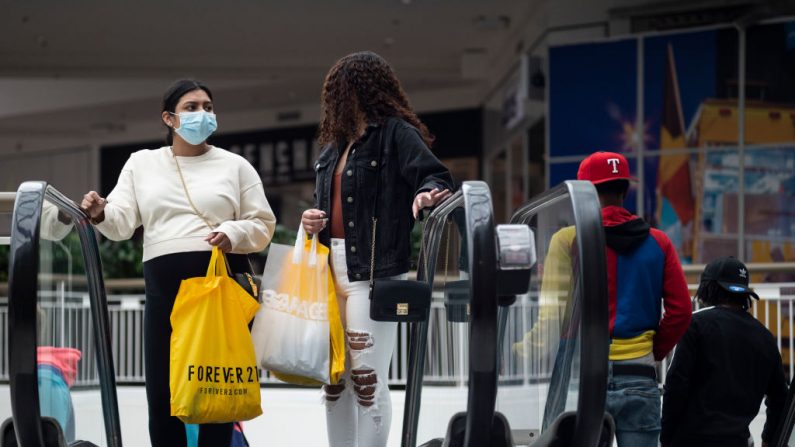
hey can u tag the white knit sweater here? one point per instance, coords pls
(224, 187)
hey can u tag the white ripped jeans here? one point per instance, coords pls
(359, 409)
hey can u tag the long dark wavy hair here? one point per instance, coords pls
(362, 82)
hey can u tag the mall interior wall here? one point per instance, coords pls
(560, 80)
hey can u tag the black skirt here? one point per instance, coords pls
(163, 276)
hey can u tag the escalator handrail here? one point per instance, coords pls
(594, 323)
(431, 240)
(786, 421)
(99, 313)
(25, 242)
(483, 370)
(543, 200)
(22, 314)
(433, 232)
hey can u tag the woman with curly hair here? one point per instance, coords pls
(370, 136)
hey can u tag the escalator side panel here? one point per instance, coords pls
(586, 312)
(418, 348)
(99, 315)
(784, 427)
(52, 433)
(431, 241)
(483, 342)
(593, 274)
(22, 314)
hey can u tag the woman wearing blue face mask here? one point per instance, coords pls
(189, 196)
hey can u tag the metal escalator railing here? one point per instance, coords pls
(784, 435)
(41, 211)
(584, 370)
(483, 342)
(571, 320)
(473, 427)
(431, 240)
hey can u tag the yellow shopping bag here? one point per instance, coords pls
(298, 334)
(213, 367)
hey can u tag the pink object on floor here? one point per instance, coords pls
(64, 359)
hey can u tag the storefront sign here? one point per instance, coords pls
(281, 156)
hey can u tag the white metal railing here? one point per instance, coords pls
(64, 320)
(776, 311)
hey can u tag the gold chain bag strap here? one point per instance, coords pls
(246, 280)
(394, 299)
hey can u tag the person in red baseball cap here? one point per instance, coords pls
(644, 278)
(602, 167)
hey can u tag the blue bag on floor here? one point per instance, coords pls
(238, 438)
(55, 400)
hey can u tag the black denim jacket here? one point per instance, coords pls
(407, 167)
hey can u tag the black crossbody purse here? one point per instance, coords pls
(394, 299)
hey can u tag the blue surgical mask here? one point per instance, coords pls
(195, 127)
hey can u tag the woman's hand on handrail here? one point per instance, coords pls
(94, 205)
(429, 199)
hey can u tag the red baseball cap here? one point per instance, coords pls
(601, 167)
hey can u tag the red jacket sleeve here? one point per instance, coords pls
(676, 300)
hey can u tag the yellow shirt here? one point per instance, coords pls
(556, 290)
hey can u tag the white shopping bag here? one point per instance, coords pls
(297, 331)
